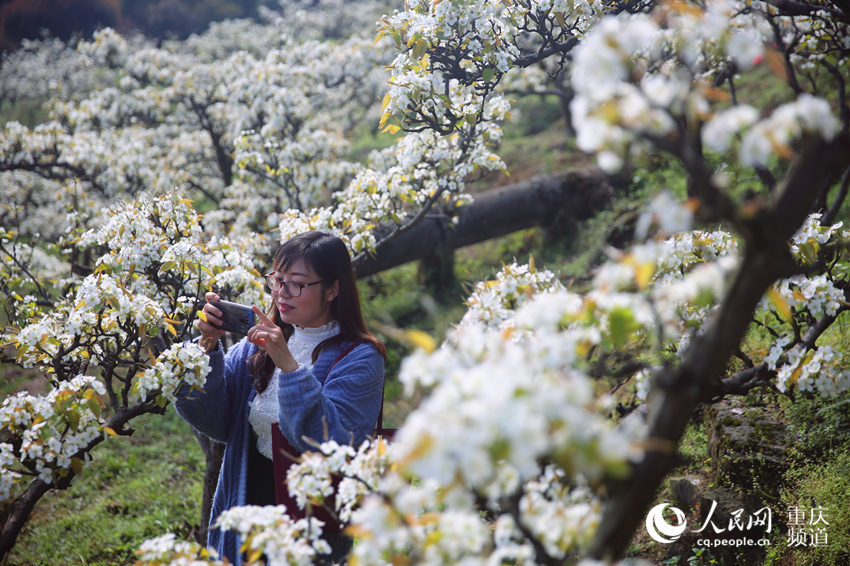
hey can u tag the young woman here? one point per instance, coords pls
(310, 366)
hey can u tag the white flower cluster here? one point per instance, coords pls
(480, 38)
(817, 36)
(666, 215)
(41, 68)
(166, 549)
(800, 366)
(182, 363)
(821, 370)
(775, 135)
(816, 294)
(139, 234)
(107, 47)
(610, 114)
(92, 323)
(563, 526)
(693, 272)
(101, 312)
(421, 167)
(492, 303)
(511, 402)
(684, 250)
(723, 127)
(161, 237)
(268, 531)
(39, 263)
(8, 476)
(52, 430)
(665, 287)
(642, 383)
(416, 528)
(358, 471)
(148, 279)
(807, 241)
(425, 25)
(637, 77)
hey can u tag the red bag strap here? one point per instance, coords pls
(381, 411)
(342, 355)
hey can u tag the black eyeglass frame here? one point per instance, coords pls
(274, 282)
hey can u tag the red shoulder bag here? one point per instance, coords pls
(285, 455)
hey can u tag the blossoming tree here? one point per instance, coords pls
(105, 259)
(527, 465)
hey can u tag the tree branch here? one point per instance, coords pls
(21, 508)
(679, 390)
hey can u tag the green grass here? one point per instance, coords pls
(12, 380)
(825, 485)
(135, 489)
(27, 112)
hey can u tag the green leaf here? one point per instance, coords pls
(621, 324)
(488, 74)
(809, 251)
(783, 309)
(74, 419)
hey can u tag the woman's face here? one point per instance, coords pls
(313, 307)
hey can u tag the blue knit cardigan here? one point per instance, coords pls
(344, 402)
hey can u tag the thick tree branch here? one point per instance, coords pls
(543, 200)
(679, 390)
(22, 507)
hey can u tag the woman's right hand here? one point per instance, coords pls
(210, 328)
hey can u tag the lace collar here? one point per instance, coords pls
(304, 340)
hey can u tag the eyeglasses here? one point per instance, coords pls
(292, 289)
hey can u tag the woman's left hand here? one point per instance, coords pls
(267, 336)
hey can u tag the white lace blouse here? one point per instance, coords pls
(264, 407)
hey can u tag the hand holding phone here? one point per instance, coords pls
(234, 317)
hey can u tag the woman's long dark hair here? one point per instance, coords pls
(327, 255)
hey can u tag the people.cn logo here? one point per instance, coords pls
(659, 529)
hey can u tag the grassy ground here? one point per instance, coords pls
(136, 488)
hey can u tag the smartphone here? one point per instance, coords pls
(235, 317)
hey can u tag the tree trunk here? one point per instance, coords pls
(18, 512)
(437, 270)
(213, 452)
(541, 201)
(677, 391)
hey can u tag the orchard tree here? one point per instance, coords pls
(527, 465)
(256, 127)
(113, 345)
(105, 259)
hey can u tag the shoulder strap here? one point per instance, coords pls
(381, 411)
(342, 355)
